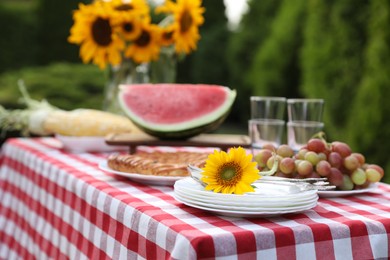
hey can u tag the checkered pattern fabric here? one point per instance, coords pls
(58, 205)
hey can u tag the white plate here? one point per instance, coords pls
(82, 144)
(251, 204)
(342, 193)
(265, 192)
(252, 201)
(253, 208)
(141, 178)
(246, 214)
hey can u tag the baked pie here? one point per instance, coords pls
(157, 163)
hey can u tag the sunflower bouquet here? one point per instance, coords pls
(110, 31)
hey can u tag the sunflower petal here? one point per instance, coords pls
(232, 172)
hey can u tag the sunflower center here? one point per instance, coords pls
(144, 39)
(128, 27)
(101, 31)
(185, 22)
(228, 173)
(167, 35)
(124, 7)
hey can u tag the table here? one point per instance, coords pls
(58, 205)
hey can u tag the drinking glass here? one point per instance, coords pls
(304, 120)
(300, 132)
(266, 131)
(301, 109)
(267, 107)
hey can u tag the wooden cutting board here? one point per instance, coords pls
(222, 141)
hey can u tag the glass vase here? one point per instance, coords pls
(164, 69)
(161, 71)
(127, 72)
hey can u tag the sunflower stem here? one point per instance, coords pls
(273, 169)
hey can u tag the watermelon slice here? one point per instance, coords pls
(176, 111)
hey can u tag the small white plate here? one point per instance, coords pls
(83, 144)
(252, 201)
(342, 193)
(251, 208)
(141, 178)
(249, 204)
(265, 192)
(245, 214)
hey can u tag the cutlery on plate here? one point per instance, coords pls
(304, 184)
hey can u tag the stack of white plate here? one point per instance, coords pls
(269, 199)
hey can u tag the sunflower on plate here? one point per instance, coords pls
(232, 172)
(111, 31)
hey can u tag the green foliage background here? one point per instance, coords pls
(335, 50)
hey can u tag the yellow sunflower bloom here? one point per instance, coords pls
(232, 172)
(139, 7)
(167, 36)
(188, 17)
(128, 26)
(92, 29)
(146, 47)
(128, 16)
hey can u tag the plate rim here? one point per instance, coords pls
(233, 196)
(344, 193)
(285, 203)
(246, 209)
(85, 143)
(232, 213)
(141, 177)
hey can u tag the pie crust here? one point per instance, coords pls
(157, 163)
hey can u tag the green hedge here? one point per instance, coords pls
(348, 64)
(65, 85)
(54, 20)
(252, 32)
(335, 50)
(18, 35)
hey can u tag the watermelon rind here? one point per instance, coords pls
(187, 129)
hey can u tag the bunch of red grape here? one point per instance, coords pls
(343, 168)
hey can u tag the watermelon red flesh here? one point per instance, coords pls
(190, 102)
(175, 107)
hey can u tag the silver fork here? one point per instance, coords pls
(304, 184)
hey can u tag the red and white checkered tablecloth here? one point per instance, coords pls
(58, 205)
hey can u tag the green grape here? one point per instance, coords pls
(359, 176)
(351, 162)
(304, 168)
(285, 151)
(322, 156)
(301, 154)
(312, 157)
(360, 157)
(287, 165)
(270, 161)
(323, 168)
(373, 175)
(262, 157)
(347, 183)
(377, 168)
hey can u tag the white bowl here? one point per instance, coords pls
(87, 144)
